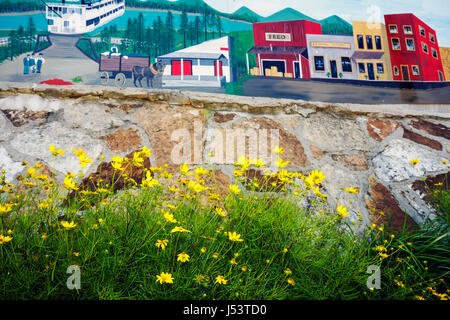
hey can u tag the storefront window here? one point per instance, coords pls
(410, 45)
(369, 42)
(360, 41)
(415, 70)
(395, 44)
(362, 67)
(346, 64)
(378, 42)
(319, 63)
(380, 68)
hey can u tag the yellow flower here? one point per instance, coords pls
(234, 189)
(146, 152)
(161, 244)
(221, 212)
(288, 271)
(183, 257)
(383, 255)
(444, 161)
(4, 239)
(244, 268)
(259, 163)
(83, 158)
(285, 250)
(291, 281)
(235, 237)
(316, 177)
(352, 190)
(414, 162)
(169, 217)
(215, 255)
(179, 229)
(137, 161)
(184, 168)
(233, 261)
(200, 171)
(203, 250)
(10, 231)
(55, 151)
(281, 164)
(399, 283)
(164, 278)
(31, 171)
(194, 186)
(243, 162)
(68, 225)
(220, 280)
(69, 183)
(342, 211)
(5, 208)
(278, 150)
(76, 254)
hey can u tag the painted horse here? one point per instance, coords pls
(152, 73)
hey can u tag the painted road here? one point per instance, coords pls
(342, 93)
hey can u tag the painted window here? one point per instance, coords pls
(432, 38)
(360, 41)
(362, 67)
(176, 67)
(396, 44)
(410, 44)
(415, 70)
(187, 67)
(319, 64)
(50, 22)
(424, 47)
(218, 68)
(422, 31)
(407, 30)
(66, 23)
(396, 73)
(369, 42)
(393, 28)
(434, 53)
(346, 64)
(380, 68)
(378, 43)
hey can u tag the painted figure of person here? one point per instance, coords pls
(113, 50)
(26, 64)
(33, 64)
(40, 62)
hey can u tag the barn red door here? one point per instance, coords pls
(176, 67)
(218, 68)
(187, 68)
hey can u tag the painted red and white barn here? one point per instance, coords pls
(281, 48)
(204, 65)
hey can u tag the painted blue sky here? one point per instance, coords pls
(436, 13)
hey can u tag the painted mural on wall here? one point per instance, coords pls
(357, 53)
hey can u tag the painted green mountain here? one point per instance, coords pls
(287, 14)
(246, 12)
(331, 25)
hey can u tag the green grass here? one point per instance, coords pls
(289, 251)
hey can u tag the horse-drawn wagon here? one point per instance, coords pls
(120, 67)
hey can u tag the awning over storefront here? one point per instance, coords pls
(192, 55)
(278, 50)
(367, 55)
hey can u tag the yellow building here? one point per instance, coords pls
(371, 55)
(445, 56)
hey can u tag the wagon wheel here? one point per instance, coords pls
(104, 77)
(119, 80)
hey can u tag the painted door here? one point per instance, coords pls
(297, 73)
(333, 68)
(370, 71)
(405, 73)
(218, 68)
(187, 68)
(176, 67)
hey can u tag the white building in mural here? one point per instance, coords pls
(204, 65)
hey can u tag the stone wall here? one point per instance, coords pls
(364, 146)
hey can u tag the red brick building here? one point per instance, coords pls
(283, 45)
(414, 49)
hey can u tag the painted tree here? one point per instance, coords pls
(31, 31)
(219, 26)
(191, 32)
(205, 20)
(170, 32)
(184, 26)
(197, 28)
(140, 29)
(212, 23)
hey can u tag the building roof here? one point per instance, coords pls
(192, 55)
(367, 55)
(277, 50)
